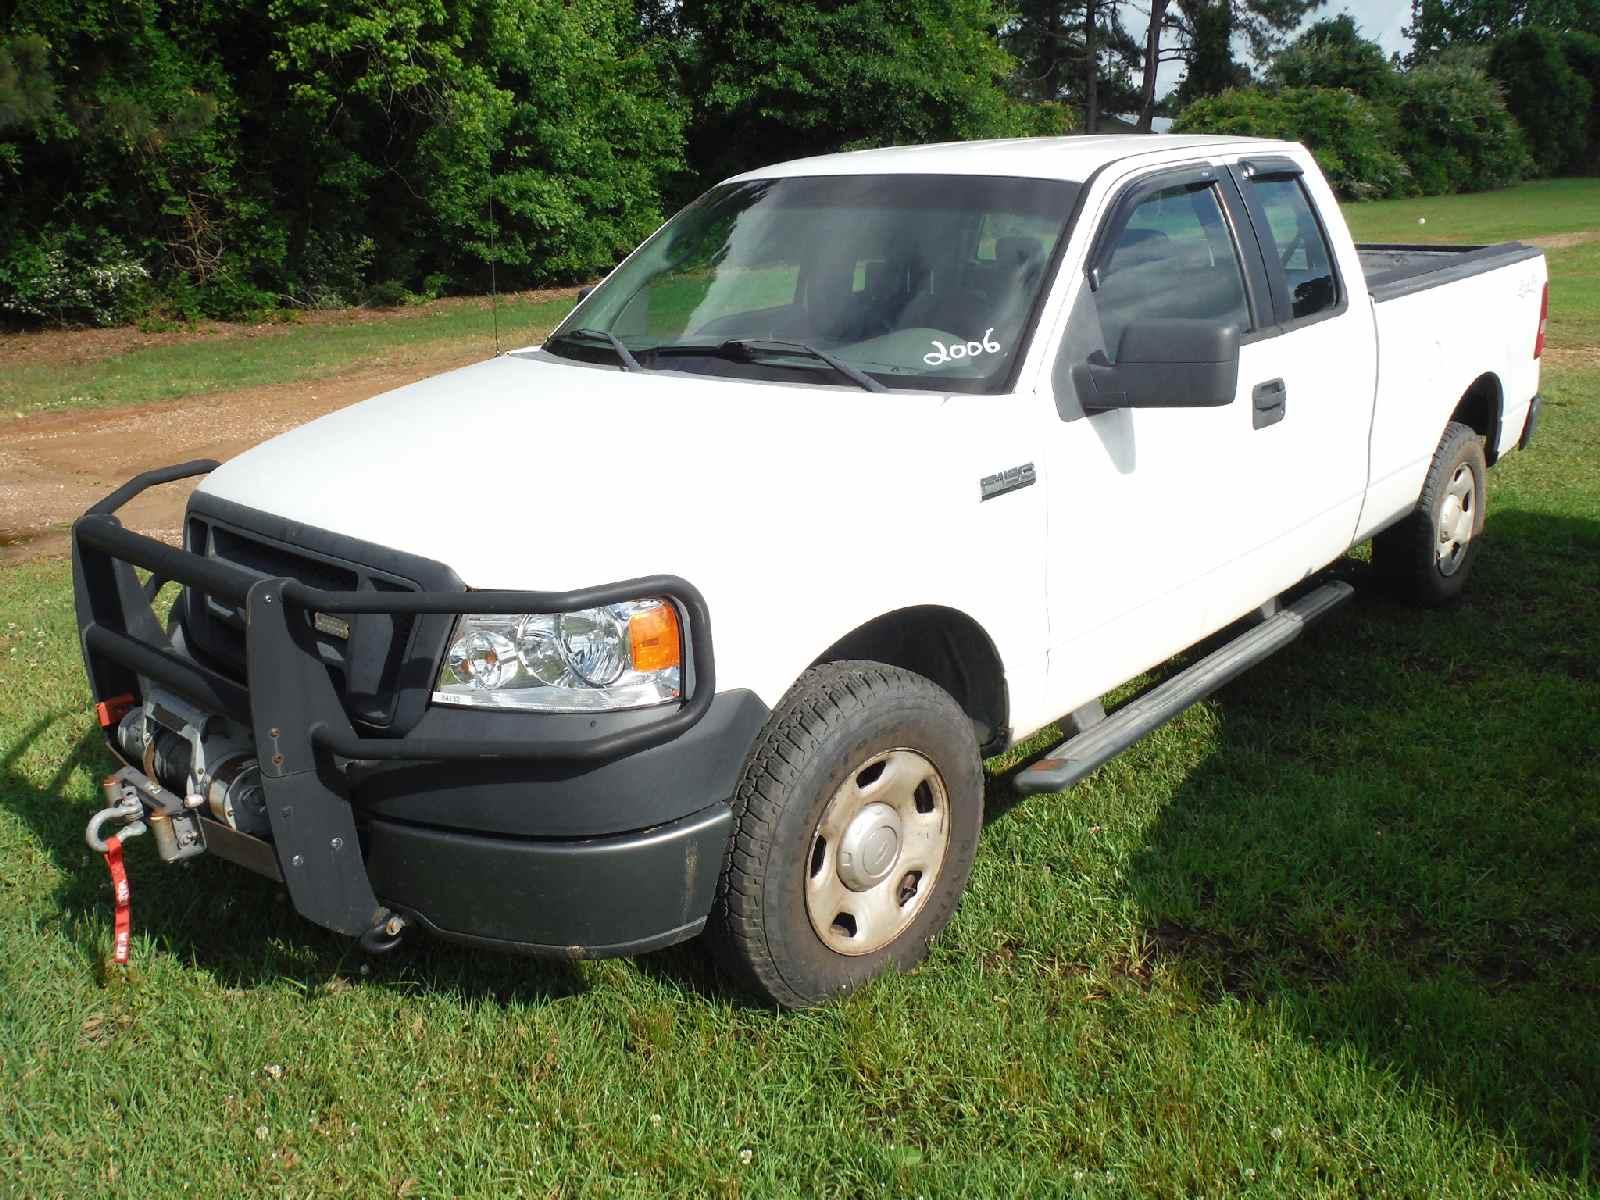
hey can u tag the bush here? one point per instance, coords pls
(1455, 134)
(1582, 52)
(1350, 138)
(209, 161)
(1551, 101)
(776, 79)
(71, 281)
(1333, 54)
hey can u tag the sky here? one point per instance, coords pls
(1380, 20)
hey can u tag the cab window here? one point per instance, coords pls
(1173, 257)
(1298, 242)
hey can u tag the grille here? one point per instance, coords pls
(370, 668)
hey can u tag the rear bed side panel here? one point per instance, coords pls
(1432, 345)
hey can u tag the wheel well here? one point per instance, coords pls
(943, 645)
(1479, 410)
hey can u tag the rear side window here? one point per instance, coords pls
(1173, 257)
(1299, 245)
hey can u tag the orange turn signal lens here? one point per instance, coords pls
(653, 638)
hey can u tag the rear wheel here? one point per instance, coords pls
(856, 823)
(1428, 556)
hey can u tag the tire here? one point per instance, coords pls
(1427, 557)
(863, 794)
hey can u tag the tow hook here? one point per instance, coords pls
(125, 807)
(385, 934)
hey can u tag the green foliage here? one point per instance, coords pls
(1333, 54)
(1438, 24)
(1046, 37)
(244, 154)
(1455, 134)
(1551, 101)
(776, 79)
(61, 278)
(1211, 67)
(1582, 52)
(1349, 137)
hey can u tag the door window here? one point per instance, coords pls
(1299, 244)
(1173, 257)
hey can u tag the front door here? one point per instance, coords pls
(1154, 512)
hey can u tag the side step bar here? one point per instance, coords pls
(1101, 738)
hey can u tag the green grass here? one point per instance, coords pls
(1543, 207)
(278, 354)
(1335, 932)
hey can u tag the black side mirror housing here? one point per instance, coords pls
(583, 292)
(1163, 363)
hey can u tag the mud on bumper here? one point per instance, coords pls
(530, 833)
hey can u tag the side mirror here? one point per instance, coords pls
(1163, 363)
(583, 292)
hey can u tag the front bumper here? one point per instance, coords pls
(580, 838)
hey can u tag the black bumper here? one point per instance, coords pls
(589, 835)
(587, 898)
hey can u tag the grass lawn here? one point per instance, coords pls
(1545, 206)
(1335, 932)
(277, 354)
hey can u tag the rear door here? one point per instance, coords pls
(1313, 366)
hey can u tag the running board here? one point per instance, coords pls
(1100, 738)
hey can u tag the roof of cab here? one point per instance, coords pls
(1073, 158)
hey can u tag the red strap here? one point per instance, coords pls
(110, 712)
(119, 887)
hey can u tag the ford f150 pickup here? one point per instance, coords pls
(701, 616)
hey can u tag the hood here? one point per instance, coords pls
(522, 472)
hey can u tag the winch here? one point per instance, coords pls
(190, 761)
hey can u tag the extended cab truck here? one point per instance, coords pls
(898, 455)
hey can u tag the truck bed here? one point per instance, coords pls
(1394, 270)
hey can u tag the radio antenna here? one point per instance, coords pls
(494, 255)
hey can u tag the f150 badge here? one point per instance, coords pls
(1006, 481)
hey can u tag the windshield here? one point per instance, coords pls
(919, 281)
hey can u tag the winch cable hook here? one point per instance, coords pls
(130, 811)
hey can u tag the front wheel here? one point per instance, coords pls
(856, 822)
(1428, 555)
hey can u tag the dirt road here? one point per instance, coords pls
(54, 465)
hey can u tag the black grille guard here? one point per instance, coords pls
(297, 717)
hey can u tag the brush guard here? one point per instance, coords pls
(303, 736)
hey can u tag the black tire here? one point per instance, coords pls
(1407, 556)
(836, 718)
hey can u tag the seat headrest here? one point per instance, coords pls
(1017, 251)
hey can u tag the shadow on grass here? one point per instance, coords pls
(1396, 844)
(236, 926)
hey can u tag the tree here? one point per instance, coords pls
(1552, 102)
(1348, 136)
(1050, 41)
(1436, 24)
(218, 156)
(1454, 132)
(776, 79)
(1206, 31)
(1211, 67)
(1332, 53)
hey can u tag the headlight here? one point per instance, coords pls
(620, 656)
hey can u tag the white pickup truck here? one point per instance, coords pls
(898, 457)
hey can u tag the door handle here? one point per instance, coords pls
(1270, 401)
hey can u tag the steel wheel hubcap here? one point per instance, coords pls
(1457, 520)
(876, 852)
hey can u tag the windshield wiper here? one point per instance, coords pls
(750, 348)
(629, 362)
